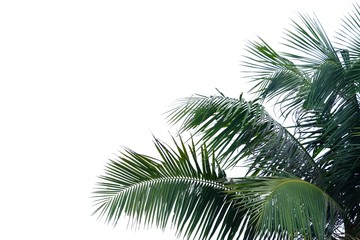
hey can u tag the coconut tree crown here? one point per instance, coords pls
(303, 179)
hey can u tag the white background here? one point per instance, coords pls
(81, 79)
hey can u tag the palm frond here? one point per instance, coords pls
(309, 43)
(276, 77)
(286, 208)
(348, 35)
(237, 130)
(180, 188)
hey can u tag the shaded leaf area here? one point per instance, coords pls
(238, 129)
(180, 188)
(286, 208)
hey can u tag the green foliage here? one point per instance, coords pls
(179, 187)
(303, 180)
(285, 207)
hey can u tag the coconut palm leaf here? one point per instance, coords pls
(237, 129)
(348, 35)
(309, 43)
(286, 208)
(302, 85)
(180, 188)
(276, 77)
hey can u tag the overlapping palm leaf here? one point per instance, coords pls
(239, 130)
(180, 187)
(326, 104)
(321, 92)
(286, 207)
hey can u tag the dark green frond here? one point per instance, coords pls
(286, 208)
(276, 76)
(309, 43)
(237, 130)
(179, 188)
(348, 36)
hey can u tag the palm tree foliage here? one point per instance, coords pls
(303, 179)
(179, 187)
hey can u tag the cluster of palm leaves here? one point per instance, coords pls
(303, 179)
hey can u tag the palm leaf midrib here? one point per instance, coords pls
(189, 180)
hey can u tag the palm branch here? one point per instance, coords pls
(239, 130)
(180, 187)
(286, 207)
